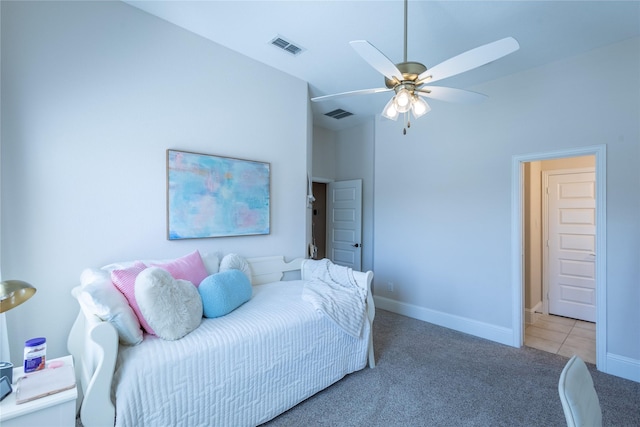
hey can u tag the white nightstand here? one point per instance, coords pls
(56, 410)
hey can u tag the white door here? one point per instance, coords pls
(571, 210)
(344, 223)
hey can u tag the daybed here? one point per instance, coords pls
(241, 369)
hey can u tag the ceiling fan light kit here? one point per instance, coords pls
(410, 80)
(404, 101)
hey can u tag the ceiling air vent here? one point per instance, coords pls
(287, 46)
(338, 114)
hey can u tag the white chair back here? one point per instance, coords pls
(578, 396)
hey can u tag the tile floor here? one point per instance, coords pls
(563, 336)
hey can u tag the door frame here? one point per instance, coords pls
(545, 229)
(517, 242)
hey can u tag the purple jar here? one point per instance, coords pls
(35, 354)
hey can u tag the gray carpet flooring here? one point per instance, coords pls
(427, 375)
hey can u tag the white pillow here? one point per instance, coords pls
(119, 265)
(98, 296)
(235, 262)
(211, 262)
(172, 307)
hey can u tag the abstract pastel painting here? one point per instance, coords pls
(213, 196)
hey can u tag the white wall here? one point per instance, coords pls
(355, 160)
(346, 155)
(443, 193)
(324, 153)
(93, 94)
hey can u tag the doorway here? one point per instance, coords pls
(559, 234)
(336, 223)
(531, 273)
(319, 221)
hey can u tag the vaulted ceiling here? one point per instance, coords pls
(437, 30)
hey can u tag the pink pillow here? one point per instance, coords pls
(189, 267)
(125, 281)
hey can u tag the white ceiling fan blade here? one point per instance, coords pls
(451, 95)
(470, 59)
(353, 92)
(376, 59)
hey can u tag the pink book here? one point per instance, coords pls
(44, 383)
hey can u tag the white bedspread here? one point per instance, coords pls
(241, 369)
(333, 290)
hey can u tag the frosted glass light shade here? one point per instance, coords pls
(419, 107)
(403, 101)
(390, 111)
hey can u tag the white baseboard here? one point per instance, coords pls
(532, 314)
(623, 367)
(458, 323)
(619, 366)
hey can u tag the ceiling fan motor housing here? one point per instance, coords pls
(410, 72)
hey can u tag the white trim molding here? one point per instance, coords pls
(532, 314)
(462, 324)
(623, 367)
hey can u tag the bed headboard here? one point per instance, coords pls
(271, 268)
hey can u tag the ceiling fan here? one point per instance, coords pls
(411, 81)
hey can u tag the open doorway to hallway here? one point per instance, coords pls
(559, 255)
(319, 221)
(336, 227)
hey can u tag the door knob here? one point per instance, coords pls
(356, 245)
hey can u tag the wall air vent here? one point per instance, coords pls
(338, 114)
(287, 45)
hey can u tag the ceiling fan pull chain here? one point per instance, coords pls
(407, 123)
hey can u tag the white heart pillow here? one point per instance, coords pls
(172, 307)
